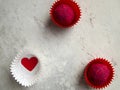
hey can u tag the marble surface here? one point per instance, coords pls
(64, 53)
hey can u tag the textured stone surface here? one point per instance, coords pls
(64, 53)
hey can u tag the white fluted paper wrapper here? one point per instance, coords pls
(20, 73)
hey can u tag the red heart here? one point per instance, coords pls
(29, 64)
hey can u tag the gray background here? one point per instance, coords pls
(64, 53)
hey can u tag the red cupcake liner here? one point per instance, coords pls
(101, 61)
(73, 5)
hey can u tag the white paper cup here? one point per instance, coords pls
(22, 74)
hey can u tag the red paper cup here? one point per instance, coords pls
(99, 73)
(65, 13)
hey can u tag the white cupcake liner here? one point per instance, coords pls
(20, 73)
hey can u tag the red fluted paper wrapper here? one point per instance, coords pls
(65, 13)
(99, 73)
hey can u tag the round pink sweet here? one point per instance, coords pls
(64, 14)
(98, 74)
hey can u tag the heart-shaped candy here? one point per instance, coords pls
(29, 63)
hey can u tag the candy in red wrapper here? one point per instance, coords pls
(99, 73)
(65, 13)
